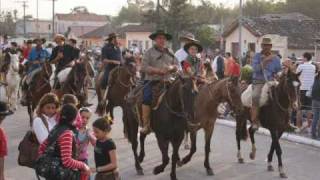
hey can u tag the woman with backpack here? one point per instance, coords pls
(57, 155)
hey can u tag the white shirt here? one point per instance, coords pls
(181, 55)
(214, 64)
(308, 72)
(40, 129)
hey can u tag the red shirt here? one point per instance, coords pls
(3, 144)
(234, 69)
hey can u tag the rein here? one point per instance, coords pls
(277, 101)
(130, 84)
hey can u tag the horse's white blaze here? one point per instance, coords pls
(295, 83)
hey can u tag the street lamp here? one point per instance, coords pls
(240, 33)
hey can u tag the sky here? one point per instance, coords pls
(107, 7)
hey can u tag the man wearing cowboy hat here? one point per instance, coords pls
(158, 63)
(73, 43)
(192, 65)
(37, 56)
(111, 57)
(62, 55)
(182, 54)
(266, 66)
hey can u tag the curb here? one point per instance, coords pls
(285, 136)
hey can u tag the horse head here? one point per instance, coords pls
(232, 93)
(290, 83)
(14, 61)
(131, 65)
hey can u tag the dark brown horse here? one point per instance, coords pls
(39, 86)
(169, 122)
(273, 116)
(76, 82)
(206, 104)
(121, 81)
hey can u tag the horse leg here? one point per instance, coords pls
(134, 144)
(239, 156)
(186, 141)
(208, 135)
(175, 155)
(253, 144)
(275, 139)
(163, 145)
(142, 151)
(270, 156)
(193, 137)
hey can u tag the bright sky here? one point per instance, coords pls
(109, 7)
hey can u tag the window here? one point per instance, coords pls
(49, 26)
(252, 47)
(235, 49)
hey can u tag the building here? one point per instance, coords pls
(79, 22)
(97, 36)
(43, 28)
(291, 34)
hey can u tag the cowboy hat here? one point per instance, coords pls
(29, 41)
(60, 36)
(4, 109)
(188, 37)
(193, 43)
(43, 40)
(266, 41)
(111, 36)
(160, 32)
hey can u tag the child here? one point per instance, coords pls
(72, 99)
(84, 136)
(104, 152)
(46, 116)
(4, 111)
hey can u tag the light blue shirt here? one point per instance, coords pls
(37, 54)
(272, 68)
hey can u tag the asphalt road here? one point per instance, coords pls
(301, 162)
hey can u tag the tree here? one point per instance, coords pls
(206, 35)
(307, 7)
(7, 23)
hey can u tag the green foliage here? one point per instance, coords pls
(206, 35)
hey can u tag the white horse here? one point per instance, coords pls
(13, 81)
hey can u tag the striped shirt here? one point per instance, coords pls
(65, 144)
(308, 72)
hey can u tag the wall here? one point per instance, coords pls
(134, 37)
(62, 26)
(45, 28)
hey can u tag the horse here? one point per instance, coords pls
(39, 86)
(274, 116)
(121, 81)
(206, 113)
(76, 80)
(12, 81)
(169, 122)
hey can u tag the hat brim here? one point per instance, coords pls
(42, 40)
(153, 36)
(184, 38)
(187, 46)
(6, 113)
(109, 38)
(61, 37)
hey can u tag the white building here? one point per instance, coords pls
(290, 33)
(34, 28)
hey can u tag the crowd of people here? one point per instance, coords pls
(64, 127)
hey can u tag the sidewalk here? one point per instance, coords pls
(292, 137)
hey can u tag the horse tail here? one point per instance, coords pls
(241, 129)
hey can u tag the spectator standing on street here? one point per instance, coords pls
(105, 155)
(72, 99)
(4, 111)
(315, 106)
(218, 65)
(308, 72)
(46, 116)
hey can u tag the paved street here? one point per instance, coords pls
(301, 162)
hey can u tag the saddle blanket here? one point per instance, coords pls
(246, 96)
(63, 75)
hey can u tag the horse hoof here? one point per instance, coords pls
(270, 168)
(241, 161)
(173, 177)
(283, 175)
(158, 170)
(186, 146)
(140, 172)
(252, 156)
(179, 163)
(210, 172)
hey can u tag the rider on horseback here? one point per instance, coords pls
(4, 67)
(111, 57)
(158, 62)
(37, 56)
(192, 65)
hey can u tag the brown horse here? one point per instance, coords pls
(169, 122)
(121, 81)
(206, 104)
(39, 86)
(76, 82)
(273, 116)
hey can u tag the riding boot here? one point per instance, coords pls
(146, 117)
(255, 124)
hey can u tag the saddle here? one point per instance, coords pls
(246, 96)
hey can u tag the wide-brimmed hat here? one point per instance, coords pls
(43, 40)
(160, 32)
(29, 41)
(111, 36)
(193, 43)
(188, 37)
(4, 109)
(266, 41)
(61, 36)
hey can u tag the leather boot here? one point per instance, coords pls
(146, 116)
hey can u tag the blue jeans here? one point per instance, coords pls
(147, 93)
(316, 116)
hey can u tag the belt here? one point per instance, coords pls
(258, 81)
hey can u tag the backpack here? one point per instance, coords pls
(49, 164)
(29, 146)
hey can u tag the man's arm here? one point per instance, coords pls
(146, 68)
(256, 64)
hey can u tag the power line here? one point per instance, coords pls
(24, 5)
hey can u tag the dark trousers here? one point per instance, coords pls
(147, 92)
(105, 78)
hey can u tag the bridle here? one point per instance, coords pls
(130, 84)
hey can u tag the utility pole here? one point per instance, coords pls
(240, 33)
(38, 18)
(158, 14)
(53, 20)
(24, 5)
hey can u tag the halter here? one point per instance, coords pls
(130, 84)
